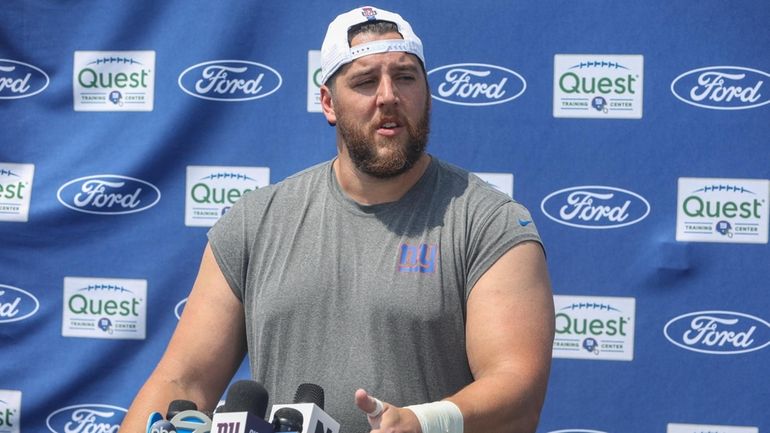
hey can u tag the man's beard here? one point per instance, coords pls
(365, 156)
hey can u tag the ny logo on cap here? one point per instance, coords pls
(369, 12)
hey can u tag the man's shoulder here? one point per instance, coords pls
(308, 178)
(472, 186)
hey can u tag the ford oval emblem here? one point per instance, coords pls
(108, 194)
(85, 417)
(718, 332)
(595, 207)
(230, 80)
(723, 88)
(476, 84)
(16, 304)
(21, 80)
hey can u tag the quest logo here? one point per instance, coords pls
(594, 327)
(10, 411)
(16, 304)
(21, 80)
(213, 190)
(86, 418)
(475, 84)
(722, 88)
(108, 194)
(230, 80)
(598, 86)
(113, 80)
(701, 428)
(722, 210)
(107, 308)
(314, 81)
(595, 207)
(15, 191)
(718, 332)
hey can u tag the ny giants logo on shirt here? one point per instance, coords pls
(417, 258)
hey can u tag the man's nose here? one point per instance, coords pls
(387, 93)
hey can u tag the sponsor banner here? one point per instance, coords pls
(230, 80)
(475, 84)
(314, 81)
(722, 210)
(107, 308)
(212, 190)
(114, 81)
(718, 332)
(723, 88)
(16, 304)
(86, 418)
(598, 86)
(501, 181)
(595, 207)
(108, 194)
(594, 327)
(704, 428)
(15, 191)
(10, 411)
(21, 80)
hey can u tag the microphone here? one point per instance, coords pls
(244, 410)
(156, 424)
(287, 419)
(161, 426)
(185, 417)
(177, 406)
(309, 402)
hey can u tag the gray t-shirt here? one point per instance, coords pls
(346, 296)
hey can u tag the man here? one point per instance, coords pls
(383, 271)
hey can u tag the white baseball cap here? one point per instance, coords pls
(336, 51)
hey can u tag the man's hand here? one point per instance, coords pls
(391, 419)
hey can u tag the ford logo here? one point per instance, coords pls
(722, 88)
(476, 84)
(108, 194)
(718, 332)
(230, 80)
(16, 304)
(179, 308)
(595, 207)
(21, 80)
(86, 418)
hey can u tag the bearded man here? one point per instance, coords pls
(384, 272)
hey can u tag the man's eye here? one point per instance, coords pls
(363, 83)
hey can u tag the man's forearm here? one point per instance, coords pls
(501, 403)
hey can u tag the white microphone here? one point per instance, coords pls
(309, 402)
(243, 411)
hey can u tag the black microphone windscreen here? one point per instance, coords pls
(310, 393)
(246, 396)
(177, 406)
(288, 419)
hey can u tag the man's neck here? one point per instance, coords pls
(369, 190)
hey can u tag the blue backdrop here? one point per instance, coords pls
(635, 132)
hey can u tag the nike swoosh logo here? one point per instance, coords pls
(524, 223)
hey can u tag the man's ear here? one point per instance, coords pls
(327, 104)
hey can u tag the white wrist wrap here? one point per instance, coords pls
(439, 417)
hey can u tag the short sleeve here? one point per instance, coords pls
(228, 241)
(506, 226)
